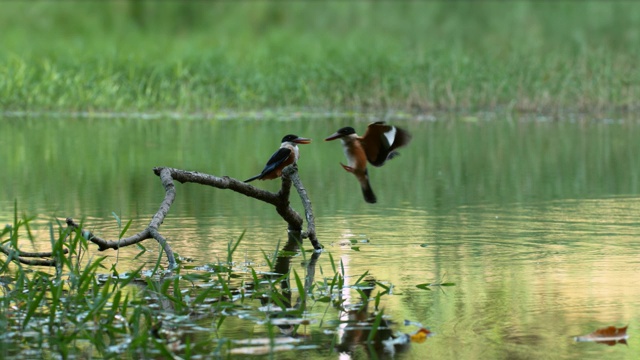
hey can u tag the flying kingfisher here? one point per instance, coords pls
(377, 145)
(286, 155)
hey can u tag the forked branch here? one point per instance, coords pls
(279, 200)
(149, 232)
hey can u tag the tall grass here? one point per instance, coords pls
(353, 56)
(81, 309)
(60, 312)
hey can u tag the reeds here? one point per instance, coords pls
(84, 308)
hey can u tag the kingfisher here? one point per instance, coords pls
(287, 154)
(377, 145)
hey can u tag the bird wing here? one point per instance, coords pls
(380, 140)
(278, 158)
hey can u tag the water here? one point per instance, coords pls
(533, 221)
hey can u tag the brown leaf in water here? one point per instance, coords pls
(420, 336)
(609, 335)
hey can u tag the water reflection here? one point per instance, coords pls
(282, 272)
(535, 223)
(360, 329)
(363, 331)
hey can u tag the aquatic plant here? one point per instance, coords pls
(86, 308)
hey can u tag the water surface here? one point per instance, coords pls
(535, 221)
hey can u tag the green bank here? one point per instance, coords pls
(210, 57)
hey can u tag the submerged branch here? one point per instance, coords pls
(21, 256)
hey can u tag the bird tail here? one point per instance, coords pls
(367, 191)
(252, 178)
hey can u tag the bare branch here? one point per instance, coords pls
(110, 244)
(306, 203)
(279, 200)
(150, 232)
(158, 218)
(20, 256)
(32, 254)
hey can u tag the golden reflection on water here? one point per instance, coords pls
(528, 275)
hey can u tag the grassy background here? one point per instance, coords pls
(205, 57)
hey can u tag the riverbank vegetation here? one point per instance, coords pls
(82, 307)
(212, 57)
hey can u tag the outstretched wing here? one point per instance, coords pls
(381, 140)
(280, 157)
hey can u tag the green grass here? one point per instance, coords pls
(204, 58)
(81, 309)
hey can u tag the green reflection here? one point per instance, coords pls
(534, 221)
(90, 167)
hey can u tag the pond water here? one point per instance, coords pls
(533, 220)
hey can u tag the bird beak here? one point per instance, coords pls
(333, 137)
(302, 140)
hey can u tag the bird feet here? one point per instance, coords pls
(346, 167)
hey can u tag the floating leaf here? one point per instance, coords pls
(403, 339)
(424, 245)
(421, 335)
(423, 286)
(609, 335)
(355, 248)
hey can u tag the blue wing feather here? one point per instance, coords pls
(277, 159)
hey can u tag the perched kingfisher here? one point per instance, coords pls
(286, 155)
(377, 146)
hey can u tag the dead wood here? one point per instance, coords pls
(150, 232)
(22, 256)
(279, 200)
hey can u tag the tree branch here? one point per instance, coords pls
(110, 244)
(21, 255)
(279, 200)
(306, 203)
(150, 232)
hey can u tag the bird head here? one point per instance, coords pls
(295, 139)
(345, 131)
